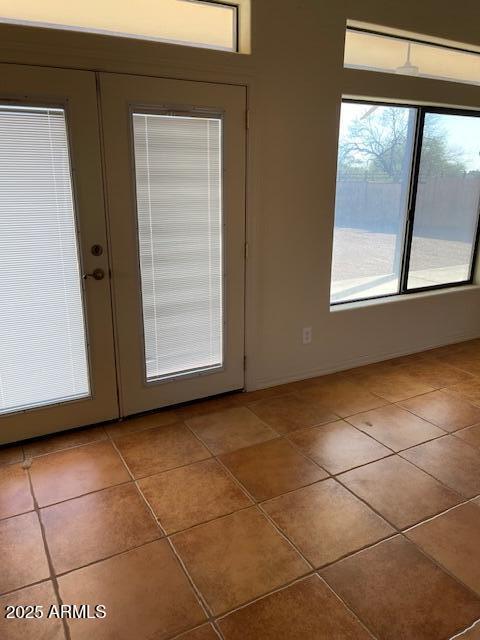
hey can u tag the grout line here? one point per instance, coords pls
(402, 532)
(428, 472)
(65, 448)
(140, 492)
(244, 605)
(461, 633)
(81, 495)
(182, 634)
(437, 515)
(349, 608)
(257, 504)
(51, 568)
(196, 591)
(390, 453)
(217, 630)
(109, 557)
(247, 603)
(311, 574)
(26, 586)
(200, 597)
(443, 568)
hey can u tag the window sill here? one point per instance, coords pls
(402, 298)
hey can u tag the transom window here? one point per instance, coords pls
(200, 23)
(407, 200)
(372, 50)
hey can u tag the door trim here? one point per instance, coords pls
(75, 91)
(143, 88)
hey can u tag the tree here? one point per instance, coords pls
(376, 141)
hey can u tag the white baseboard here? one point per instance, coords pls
(265, 383)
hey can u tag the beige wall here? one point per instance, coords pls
(295, 79)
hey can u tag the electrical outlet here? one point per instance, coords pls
(307, 335)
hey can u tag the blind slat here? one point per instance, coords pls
(43, 358)
(179, 208)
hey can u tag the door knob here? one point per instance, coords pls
(97, 274)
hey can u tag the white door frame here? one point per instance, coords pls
(118, 94)
(76, 92)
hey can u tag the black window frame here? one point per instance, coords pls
(420, 113)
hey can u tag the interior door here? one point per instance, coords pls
(57, 366)
(175, 168)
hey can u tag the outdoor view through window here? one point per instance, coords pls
(375, 183)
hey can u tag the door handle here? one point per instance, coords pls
(97, 274)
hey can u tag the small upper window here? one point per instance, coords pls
(373, 51)
(200, 23)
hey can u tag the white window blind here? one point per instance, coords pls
(178, 168)
(43, 356)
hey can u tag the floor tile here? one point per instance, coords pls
(452, 540)
(290, 412)
(10, 454)
(395, 427)
(444, 410)
(338, 446)
(140, 423)
(403, 494)
(326, 522)
(139, 578)
(470, 634)
(98, 525)
(73, 472)
(469, 390)
(464, 360)
(63, 440)
(452, 461)
(22, 552)
(190, 495)
(435, 374)
(43, 628)
(343, 397)
(237, 558)
(230, 429)
(204, 632)
(271, 468)
(470, 435)
(394, 385)
(307, 610)
(160, 449)
(15, 494)
(402, 595)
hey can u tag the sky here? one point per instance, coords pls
(463, 131)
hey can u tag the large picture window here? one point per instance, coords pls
(407, 200)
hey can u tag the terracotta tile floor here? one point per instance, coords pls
(344, 507)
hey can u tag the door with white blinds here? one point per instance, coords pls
(56, 342)
(175, 158)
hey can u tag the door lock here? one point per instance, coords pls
(97, 274)
(96, 250)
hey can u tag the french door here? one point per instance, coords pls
(56, 342)
(175, 162)
(115, 306)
